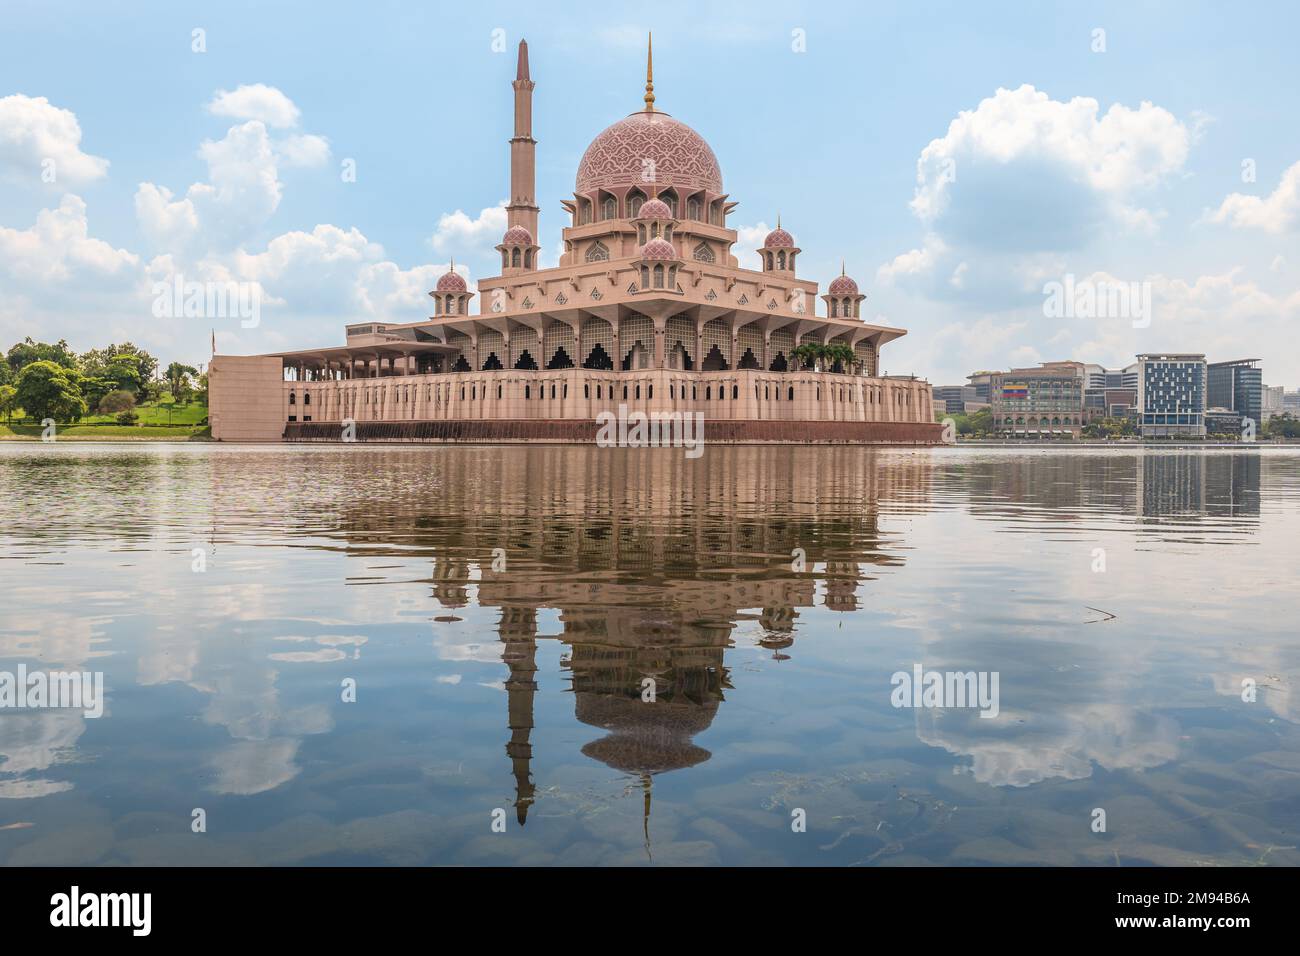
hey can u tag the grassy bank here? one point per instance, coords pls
(83, 432)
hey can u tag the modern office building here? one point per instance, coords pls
(1273, 401)
(1237, 386)
(648, 313)
(1109, 393)
(982, 382)
(1171, 395)
(955, 399)
(1039, 402)
(1223, 421)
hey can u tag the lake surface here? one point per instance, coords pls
(232, 596)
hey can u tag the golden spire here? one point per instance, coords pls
(650, 73)
(842, 267)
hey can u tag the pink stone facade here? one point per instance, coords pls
(649, 308)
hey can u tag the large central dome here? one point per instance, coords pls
(681, 157)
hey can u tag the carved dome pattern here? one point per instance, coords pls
(681, 156)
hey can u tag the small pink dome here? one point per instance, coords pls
(778, 238)
(451, 282)
(658, 249)
(843, 285)
(517, 236)
(655, 209)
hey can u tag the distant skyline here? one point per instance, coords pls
(957, 159)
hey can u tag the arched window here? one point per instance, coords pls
(609, 208)
(640, 235)
(634, 201)
(293, 399)
(598, 252)
(672, 277)
(694, 209)
(780, 260)
(704, 253)
(514, 258)
(528, 258)
(505, 259)
(659, 277)
(586, 212)
(835, 308)
(645, 277)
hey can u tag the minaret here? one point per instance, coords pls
(522, 210)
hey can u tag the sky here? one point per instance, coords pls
(963, 160)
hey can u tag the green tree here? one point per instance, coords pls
(981, 422)
(27, 351)
(808, 354)
(97, 361)
(838, 356)
(114, 402)
(49, 390)
(202, 393)
(8, 400)
(178, 379)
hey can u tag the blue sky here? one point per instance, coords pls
(957, 156)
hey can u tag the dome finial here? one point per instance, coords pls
(778, 220)
(842, 272)
(650, 73)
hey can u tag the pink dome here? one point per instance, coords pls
(517, 236)
(680, 155)
(778, 238)
(843, 285)
(655, 209)
(451, 282)
(658, 249)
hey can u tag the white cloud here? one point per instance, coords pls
(256, 102)
(34, 133)
(1024, 171)
(242, 191)
(1276, 213)
(915, 262)
(58, 248)
(456, 232)
(303, 150)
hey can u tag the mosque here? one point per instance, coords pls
(649, 311)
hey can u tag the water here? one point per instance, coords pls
(515, 694)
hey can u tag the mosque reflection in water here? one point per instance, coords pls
(652, 564)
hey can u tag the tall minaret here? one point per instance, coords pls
(522, 210)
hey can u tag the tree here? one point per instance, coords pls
(27, 351)
(49, 390)
(93, 390)
(981, 422)
(838, 354)
(8, 400)
(178, 379)
(808, 353)
(97, 361)
(202, 393)
(114, 402)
